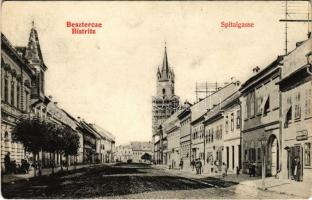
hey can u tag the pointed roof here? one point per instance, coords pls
(166, 72)
(33, 50)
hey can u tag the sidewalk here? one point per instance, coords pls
(253, 184)
(7, 178)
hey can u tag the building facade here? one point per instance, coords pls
(164, 103)
(16, 80)
(296, 113)
(185, 136)
(261, 137)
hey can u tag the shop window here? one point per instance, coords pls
(307, 154)
(259, 153)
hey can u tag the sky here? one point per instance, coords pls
(109, 78)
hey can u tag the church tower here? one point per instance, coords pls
(165, 102)
(34, 58)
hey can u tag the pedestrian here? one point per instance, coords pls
(7, 162)
(193, 164)
(181, 164)
(253, 169)
(297, 169)
(224, 170)
(200, 165)
(237, 171)
(250, 169)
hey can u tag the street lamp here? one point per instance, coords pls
(309, 60)
(263, 141)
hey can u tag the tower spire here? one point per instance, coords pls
(33, 51)
(165, 67)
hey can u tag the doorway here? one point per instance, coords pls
(273, 161)
(295, 167)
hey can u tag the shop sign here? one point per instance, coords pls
(302, 135)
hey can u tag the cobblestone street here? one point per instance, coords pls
(130, 181)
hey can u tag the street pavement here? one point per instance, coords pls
(135, 181)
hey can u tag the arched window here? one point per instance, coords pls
(6, 135)
(12, 93)
(163, 91)
(6, 90)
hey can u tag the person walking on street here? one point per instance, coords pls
(224, 170)
(193, 164)
(7, 162)
(200, 166)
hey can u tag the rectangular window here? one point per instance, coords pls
(252, 104)
(12, 93)
(233, 159)
(26, 101)
(18, 96)
(245, 109)
(266, 106)
(238, 119)
(308, 103)
(6, 90)
(307, 154)
(226, 124)
(232, 121)
(297, 107)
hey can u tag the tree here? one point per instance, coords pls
(32, 133)
(71, 143)
(146, 157)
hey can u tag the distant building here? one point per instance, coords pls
(139, 149)
(124, 153)
(106, 145)
(133, 152)
(165, 103)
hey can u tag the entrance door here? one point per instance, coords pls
(296, 167)
(274, 157)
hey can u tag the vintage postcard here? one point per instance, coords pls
(156, 99)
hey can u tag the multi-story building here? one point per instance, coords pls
(22, 83)
(185, 136)
(296, 112)
(165, 103)
(106, 144)
(198, 112)
(124, 153)
(232, 134)
(171, 127)
(16, 78)
(260, 102)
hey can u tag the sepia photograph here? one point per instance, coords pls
(156, 99)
